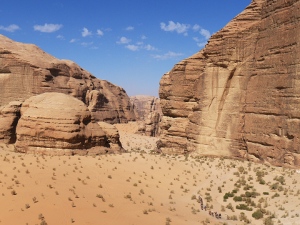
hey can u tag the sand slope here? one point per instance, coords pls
(141, 188)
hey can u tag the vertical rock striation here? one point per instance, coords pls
(240, 95)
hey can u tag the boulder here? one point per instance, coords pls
(56, 123)
(112, 135)
(239, 96)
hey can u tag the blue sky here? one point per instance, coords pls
(129, 43)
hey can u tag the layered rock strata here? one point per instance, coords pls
(240, 95)
(148, 113)
(25, 71)
(56, 123)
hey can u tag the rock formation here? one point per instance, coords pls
(9, 116)
(112, 134)
(148, 113)
(25, 71)
(57, 123)
(240, 95)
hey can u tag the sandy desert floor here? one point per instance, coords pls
(138, 187)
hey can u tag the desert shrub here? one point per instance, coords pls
(243, 207)
(258, 214)
(208, 197)
(275, 195)
(237, 198)
(244, 218)
(228, 195)
(229, 206)
(274, 186)
(236, 174)
(220, 189)
(168, 221)
(262, 181)
(241, 169)
(268, 221)
(252, 194)
(280, 179)
(234, 191)
(233, 217)
(260, 174)
(43, 222)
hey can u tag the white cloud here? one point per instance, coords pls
(178, 27)
(149, 48)
(123, 40)
(108, 29)
(10, 28)
(132, 47)
(205, 33)
(130, 28)
(196, 39)
(85, 32)
(196, 27)
(100, 32)
(86, 44)
(143, 37)
(202, 44)
(167, 55)
(47, 28)
(61, 37)
(73, 40)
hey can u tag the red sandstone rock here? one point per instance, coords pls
(25, 71)
(9, 116)
(239, 96)
(57, 123)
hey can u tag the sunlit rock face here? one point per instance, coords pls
(56, 123)
(26, 70)
(240, 95)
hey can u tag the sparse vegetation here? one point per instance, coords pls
(150, 182)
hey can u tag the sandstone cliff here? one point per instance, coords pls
(148, 113)
(240, 95)
(25, 71)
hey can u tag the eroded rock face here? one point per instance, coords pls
(240, 95)
(9, 116)
(148, 113)
(112, 134)
(25, 71)
(57, 123)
